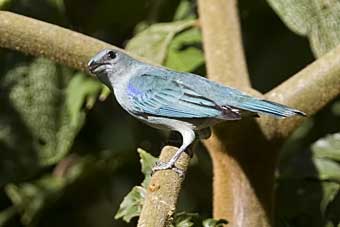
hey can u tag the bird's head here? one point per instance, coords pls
(109, 64)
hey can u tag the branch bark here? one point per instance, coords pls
(163, 192)
(39, 38)
(309, 90)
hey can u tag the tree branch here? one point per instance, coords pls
(244, 155)
(39, 38)
(223, 43)
(237, 196)
(309, 90)
(162, 192)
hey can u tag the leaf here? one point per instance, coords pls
(59, 4)
(104, 93)
(311, 199)
(312, 180)
(7, 215)
(153, 42)
(3, 3)
(30, 199)
(81, 89)
(185, 53)
(336, 108)
(184, 219)
(133, 202)
(147, 162)
(184, 11)
(327, 170)
(328, 147)
(210, 222)
(36, 128)
(317, 19)
(330, 190)
(39, 98)
(319, 163)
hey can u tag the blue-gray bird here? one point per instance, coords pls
(177, 101)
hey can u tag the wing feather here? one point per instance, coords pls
(163, 96)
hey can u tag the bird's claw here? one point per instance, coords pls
(167, 165)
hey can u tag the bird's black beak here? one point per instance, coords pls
(92, 65)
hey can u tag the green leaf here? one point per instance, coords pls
(133, 202)
(184, 219)
(210, 222)
(328, 147)
(30, 199)
(321, 163)
(312, 180)
(185, 10)
(40, 99)
(59, 4)
(147, 162)
(35, 121)
(336, 108)
(153, 42)
(185, 53)
(330, 190)
(3, 3)
(7, 215)
(319, 20)
(311, 201)
(326, 170)
(81, 89)
(104, 93)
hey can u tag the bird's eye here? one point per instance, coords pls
(112, 54)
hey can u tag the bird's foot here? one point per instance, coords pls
(167, 165)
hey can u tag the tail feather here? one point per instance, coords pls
(270, 108)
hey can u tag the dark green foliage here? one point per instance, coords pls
(133, 201)
(318, 20)
(311, 179)
(36, 127)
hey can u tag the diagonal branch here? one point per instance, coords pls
(309, 90)
(39, 38)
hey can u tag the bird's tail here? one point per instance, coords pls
(270, 108)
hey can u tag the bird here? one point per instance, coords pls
(177, 101)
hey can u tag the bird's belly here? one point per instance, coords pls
(165, 123)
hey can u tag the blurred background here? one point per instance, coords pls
(68, 152)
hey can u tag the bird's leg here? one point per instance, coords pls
(188, 137)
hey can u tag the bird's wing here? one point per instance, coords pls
(161, 95)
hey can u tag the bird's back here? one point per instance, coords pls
(227, 96)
